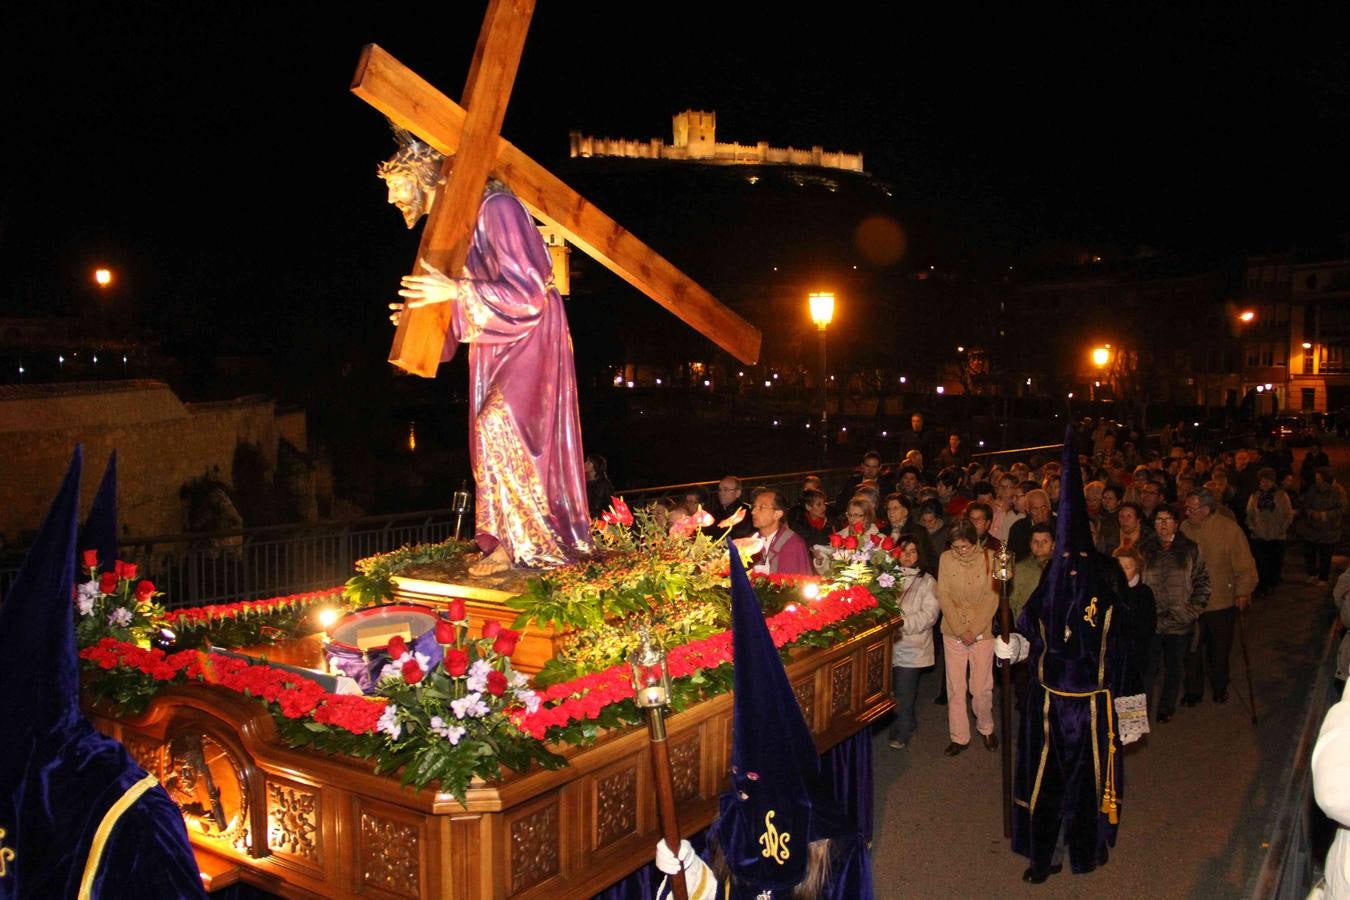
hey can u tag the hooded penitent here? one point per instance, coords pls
(1069, 776)
(78, 818)
(779, 802)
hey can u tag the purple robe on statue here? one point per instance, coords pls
(525, 433)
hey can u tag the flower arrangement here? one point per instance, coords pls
(115, 604)
(465, 712)
(670, 581)
(249, 621)
(450, 720)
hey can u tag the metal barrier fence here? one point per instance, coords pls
(249, 563)
(252, 563)
(1301, 833)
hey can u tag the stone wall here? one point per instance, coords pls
(694, 137)
(161, 443)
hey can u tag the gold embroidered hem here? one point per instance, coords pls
(512, 503)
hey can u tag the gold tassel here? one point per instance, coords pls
(1110, 806)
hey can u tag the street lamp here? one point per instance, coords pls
(822, 311)
(1247, 316)
(103, 277)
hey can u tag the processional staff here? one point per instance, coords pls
(1003, 573)
(651, 691)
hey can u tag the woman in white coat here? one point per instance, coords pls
(914, 590)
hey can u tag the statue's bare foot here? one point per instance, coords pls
(494, 562)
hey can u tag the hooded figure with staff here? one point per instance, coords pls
(1083, 701)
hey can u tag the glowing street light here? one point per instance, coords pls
(1101, 356)
(1247, 315)
(103, 277)
(1307, 345)
(821, 305)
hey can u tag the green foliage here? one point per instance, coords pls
(373, 582)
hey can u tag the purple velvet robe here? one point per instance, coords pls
(525, 432)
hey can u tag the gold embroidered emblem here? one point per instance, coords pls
(1090, 616)
(775, 842)
(6, 855)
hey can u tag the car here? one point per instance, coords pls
(1295, 431)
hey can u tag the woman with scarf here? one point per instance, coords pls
(914, 591)
(1323, 508)
(1269, 515)
(966, 595)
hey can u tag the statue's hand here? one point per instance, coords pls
(427, 289)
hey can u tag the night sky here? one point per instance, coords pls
(214, 155)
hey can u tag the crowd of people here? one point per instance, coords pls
(1198, 536)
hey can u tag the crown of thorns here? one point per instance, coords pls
(415, 158)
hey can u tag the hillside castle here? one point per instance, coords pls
(695, 140)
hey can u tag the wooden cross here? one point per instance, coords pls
(472, 137)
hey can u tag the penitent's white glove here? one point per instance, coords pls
(1014, 650)
(698, 878)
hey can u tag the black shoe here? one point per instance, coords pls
(1221, 697)
(1031, 876)
(990, 741)
(954, 748)
(940, 699)
(1190, 700)
(1164, 718)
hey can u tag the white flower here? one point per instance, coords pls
(469, 705)
(478, 674)
(394, 668)
(89, 589)
(519, 679)
(454, 733)
(388, 722)
(85, 605)
(886, 579)
(120, 617)
(529, 698)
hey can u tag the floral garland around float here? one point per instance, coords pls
(469, 713)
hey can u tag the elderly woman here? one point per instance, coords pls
(966, 595)
(1175, 572)
(914, 591)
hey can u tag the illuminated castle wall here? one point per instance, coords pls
(695, 138)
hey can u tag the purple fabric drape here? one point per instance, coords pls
(526, 432)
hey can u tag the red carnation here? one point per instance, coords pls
(90, 559)
(445, 632)
(836, 541)
(505, 644)
(858, 527)
(397, 646)
(851, 542)
(412, 672)
(491, 629)
(888, 543)
(496, 683)
(107, 582)
(457, 612)
(456, 662)
(144, 590)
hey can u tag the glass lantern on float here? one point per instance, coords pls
(651, 675)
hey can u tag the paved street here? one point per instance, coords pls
(1200, 793)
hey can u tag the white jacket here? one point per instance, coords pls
(1331, 786)
(919, 606)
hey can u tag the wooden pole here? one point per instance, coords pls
(1005, 628)
(665, 794)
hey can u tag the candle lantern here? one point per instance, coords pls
(651, 675)
(651, 691)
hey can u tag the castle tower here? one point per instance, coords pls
(695, 132)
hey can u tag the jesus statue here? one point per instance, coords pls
(524, 429)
